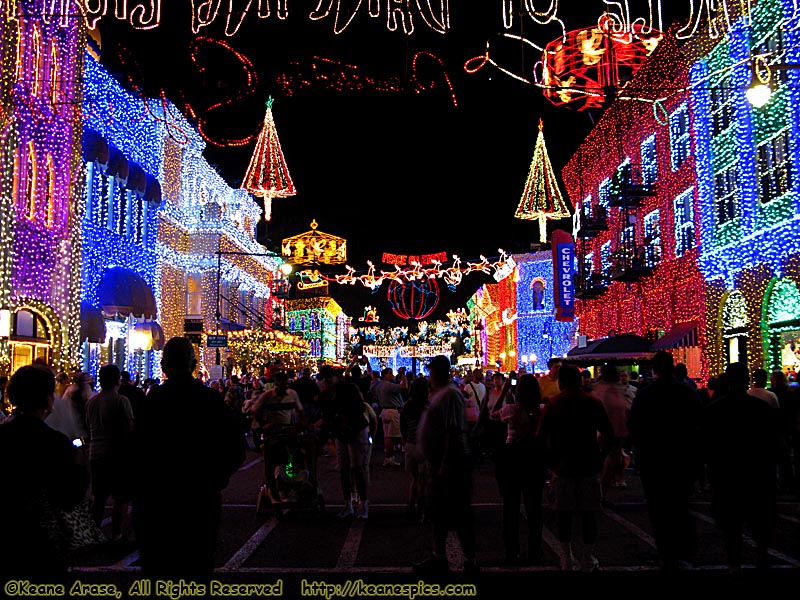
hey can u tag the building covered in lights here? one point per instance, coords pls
(169, 248)
(747, 160)
(513, 320)
(633, 184)
(40, 207)
(322, 323)
(122, 156)
(539, 335)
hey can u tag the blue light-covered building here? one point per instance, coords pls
(747, 160)
(539, 336)
(122, 157)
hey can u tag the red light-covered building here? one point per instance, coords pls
(633, 185)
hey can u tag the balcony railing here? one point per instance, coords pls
(592, 286)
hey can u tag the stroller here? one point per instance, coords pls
(290, 471)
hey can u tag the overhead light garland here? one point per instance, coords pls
(452, 275)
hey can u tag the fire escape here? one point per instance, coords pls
(589, 283)
(634, 257)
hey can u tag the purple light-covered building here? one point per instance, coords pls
(40, 143)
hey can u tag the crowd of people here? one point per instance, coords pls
(562, 437)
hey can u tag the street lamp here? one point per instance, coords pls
(760, 90)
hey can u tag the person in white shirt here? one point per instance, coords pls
(759, 388)
(475, 391)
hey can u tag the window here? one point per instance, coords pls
(627, 242)
(774, 168)
(122, 213)
(721, 106)
(684, 222)
(109, 202)
(649, 160)
(225, 301)
(194, 295)
(138, 219)
(101, 201)
(36, 72)
(772, 45)
(603, 192)
(50, 190)
(679, 140)
(30, 190)
(652, 238)
(605, 258)
(725, 184)
(243, 308)
(55, 76)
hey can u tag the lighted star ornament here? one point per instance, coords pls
(542, 197)
(267, 175)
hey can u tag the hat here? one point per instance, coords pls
(327, 372)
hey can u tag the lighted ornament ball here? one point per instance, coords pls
(413, 300)
(582, 68)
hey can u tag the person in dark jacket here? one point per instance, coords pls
(742, 444)
(664, 425)
(41, 474)
(177, 497)
(568, 432)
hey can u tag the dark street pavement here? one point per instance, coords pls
(310, 546)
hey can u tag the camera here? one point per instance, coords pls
(77, 442)
(513, 381)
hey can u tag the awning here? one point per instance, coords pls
(681, 335)
(124, 292)
(93, 325)
(137, 179)
(619, 347)
(227, 325)
(94, 147)
(117, 164)
(150, 334)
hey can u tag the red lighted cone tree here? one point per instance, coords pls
(267, 175)
(542, 197)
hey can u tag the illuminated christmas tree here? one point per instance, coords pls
(267, 175)
(542, 197)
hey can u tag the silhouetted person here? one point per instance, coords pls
(524, 478)
(568, 431)
(177, 501)
(789, 403)
(133, 393)
(443, 442)
(742, 448)
(41, 474)
(110, 420)
(665, 431)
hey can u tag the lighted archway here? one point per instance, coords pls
(780, 325)
(58, 334)
(734, 326)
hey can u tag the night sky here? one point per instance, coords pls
(381, 150)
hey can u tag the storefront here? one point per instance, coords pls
(29, 338)
(782, 326)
